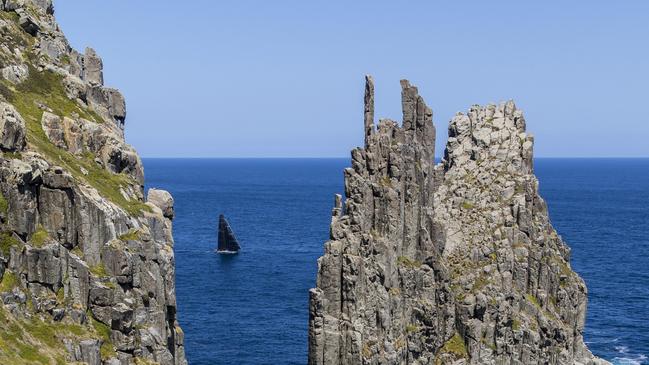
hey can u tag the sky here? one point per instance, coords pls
(245, 78)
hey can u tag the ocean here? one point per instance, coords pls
(252, 308)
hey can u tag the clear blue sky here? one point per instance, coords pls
(244, 78)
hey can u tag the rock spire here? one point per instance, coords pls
(454, 263)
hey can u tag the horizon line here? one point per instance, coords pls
(347, 157)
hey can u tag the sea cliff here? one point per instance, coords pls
(86, 262)
(449, 263)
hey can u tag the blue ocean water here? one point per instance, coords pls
(252, 308)
(601, 209)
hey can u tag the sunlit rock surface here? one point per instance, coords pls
(86, 264)
(454, 263)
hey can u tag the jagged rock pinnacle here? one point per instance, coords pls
(369, 106)
(450, 263)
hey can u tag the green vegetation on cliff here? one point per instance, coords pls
(107, 349)
(7, 240)
(40, 341)
(40, 237)
(4, 205)
(45, 89)
(455, 346)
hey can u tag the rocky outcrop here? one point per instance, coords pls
(454, 263)
(86, 263)
(163, 200)
(12, 129)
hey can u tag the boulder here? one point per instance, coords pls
(116, 105)
(12, 129)
(53, 128)
(109, 103)
(15, 73)
(44, 266)
(73, 135)
(89, 350)
(163, 200)
(120, 157)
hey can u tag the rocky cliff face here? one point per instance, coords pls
(454, 263)
(86, 263)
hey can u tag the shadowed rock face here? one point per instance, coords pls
(455, 263)
(86, 263)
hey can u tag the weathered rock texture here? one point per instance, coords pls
(86, 264)
(454, 263)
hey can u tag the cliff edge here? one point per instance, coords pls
(86, 262)
(454, 263)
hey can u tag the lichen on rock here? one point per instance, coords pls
(86, 263)
(454, 263)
